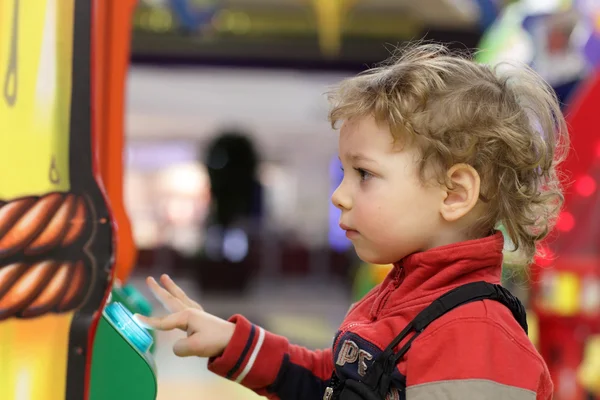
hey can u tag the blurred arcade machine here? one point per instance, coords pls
(566, 283)
(62, 334)
(562, 42)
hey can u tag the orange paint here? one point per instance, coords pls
(111, 49)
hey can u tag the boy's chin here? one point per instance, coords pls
(370, 256)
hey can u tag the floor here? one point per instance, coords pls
(307, 312)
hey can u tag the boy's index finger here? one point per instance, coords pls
(146, 322)
(177, 320)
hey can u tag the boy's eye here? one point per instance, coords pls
(364, 175)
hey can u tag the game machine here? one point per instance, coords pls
(566, 286)
(61, 337)
(117, 364)
(563, 45)
(565, 281)
(551, 38)
(111, 62)
(543, 34)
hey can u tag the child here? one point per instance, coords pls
(437, 151)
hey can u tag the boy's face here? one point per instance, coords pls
(387, 211)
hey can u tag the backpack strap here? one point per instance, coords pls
(459, 296)
(380, 372)
(466, 294)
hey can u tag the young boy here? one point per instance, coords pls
(437, 151)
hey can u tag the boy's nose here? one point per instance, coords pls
(340, 199)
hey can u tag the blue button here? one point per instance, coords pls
(122, 318)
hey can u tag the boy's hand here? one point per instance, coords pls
(207, 335)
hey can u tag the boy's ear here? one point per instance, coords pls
(464, 193)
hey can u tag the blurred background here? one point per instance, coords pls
(230, 162)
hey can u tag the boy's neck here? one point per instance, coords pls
(448, 236)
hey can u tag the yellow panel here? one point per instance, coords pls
(589, 372)
(35, 96)
(566, 294)
(33, 357)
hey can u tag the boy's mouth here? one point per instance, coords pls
(350, 233)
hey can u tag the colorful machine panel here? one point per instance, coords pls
(566, 290)
(55, 235)
(111, 51)
(122, 368)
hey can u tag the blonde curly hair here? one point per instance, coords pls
(504, 121)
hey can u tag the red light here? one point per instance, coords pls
(598, 149)
(585, 186)
(545, 256)
(566, 222)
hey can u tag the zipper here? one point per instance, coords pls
(383, 298)
(380, 303)
(345, 330)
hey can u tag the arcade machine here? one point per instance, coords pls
(117, 363)
(61, 337)
(564, 281)
(589, 370)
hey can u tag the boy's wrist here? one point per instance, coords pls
(240, 333)
(228, 331)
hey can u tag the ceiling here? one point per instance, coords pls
(194, 102)
(284, 110)
(430, 12)
(435, 13)
(318, 34)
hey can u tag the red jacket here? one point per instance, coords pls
(475, 351)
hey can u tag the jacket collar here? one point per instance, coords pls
(422, 277)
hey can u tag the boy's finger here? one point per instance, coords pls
(183, 348)
(177, 320)
(167, 299)
(176, 291)
(146, 322)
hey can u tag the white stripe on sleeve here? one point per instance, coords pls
(252, 359)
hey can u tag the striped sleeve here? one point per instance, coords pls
(269, 365)
(474, 358)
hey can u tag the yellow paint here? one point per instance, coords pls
(33, 357)
(533, 325)
(589, 371)
(330, 20)
(566, 295)
(380, 272)
(41, 111)
(34, 131)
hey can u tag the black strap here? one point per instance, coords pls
(466, 294)
(461, 295)
(378, 376)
